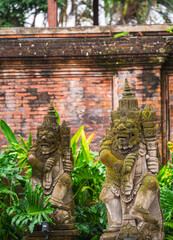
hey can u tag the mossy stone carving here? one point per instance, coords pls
(131, 190)
(52, 162)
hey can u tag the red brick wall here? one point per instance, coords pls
(82, 94)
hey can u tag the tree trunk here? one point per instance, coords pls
(95, 12)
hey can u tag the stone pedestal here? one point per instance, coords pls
(53, 235)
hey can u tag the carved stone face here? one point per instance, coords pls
(126, 134)
(48, 141)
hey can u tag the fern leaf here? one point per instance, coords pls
(35, 194)
(20, 219)
(39, 197)
(29, 192)
(39, 218)
(48, 206)
(32, 224)
(46, 218)
(169, 224)
(45, 199)
(14, 219)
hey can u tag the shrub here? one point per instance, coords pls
(165, 178)
(87, 177)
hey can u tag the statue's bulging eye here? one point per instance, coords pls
(129, 125)
(116, 124)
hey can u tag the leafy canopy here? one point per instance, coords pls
(14, 13)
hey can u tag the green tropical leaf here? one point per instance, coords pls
(123, 34)
(35, 194)
(76, 137)
(89, 139)
(46, 218)
(58, 117)
(39, 196)
(8, 133)
(29, 143)
(86, 188)
(24, 144)
(6, 191)
(74, 151)
(169, 224)
(85, 145)
(45, 199)
(32, 224)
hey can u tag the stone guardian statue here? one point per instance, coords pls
(52, 162)
(131, 190)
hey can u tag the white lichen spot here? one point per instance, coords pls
(47, 43)
(20, 44)
(161, 50)
(87, 54)
(35, 53)
(100, 53)
(32, 45)
(161, 59)
(20, 53)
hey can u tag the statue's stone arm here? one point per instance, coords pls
(109, 160)
(35, 163)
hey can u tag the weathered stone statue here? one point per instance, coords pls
(131, 189)
(51, 160)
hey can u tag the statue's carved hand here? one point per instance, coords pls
(48, 165)
(127, 184)
(129, 163)
(127, 178)
(153, 165)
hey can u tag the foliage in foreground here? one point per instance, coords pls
(87, 176)
(30, 210)
(19, 205)
(165, 178)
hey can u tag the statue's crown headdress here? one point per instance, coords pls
(128, 105)
(50, 120)
(128, 101)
